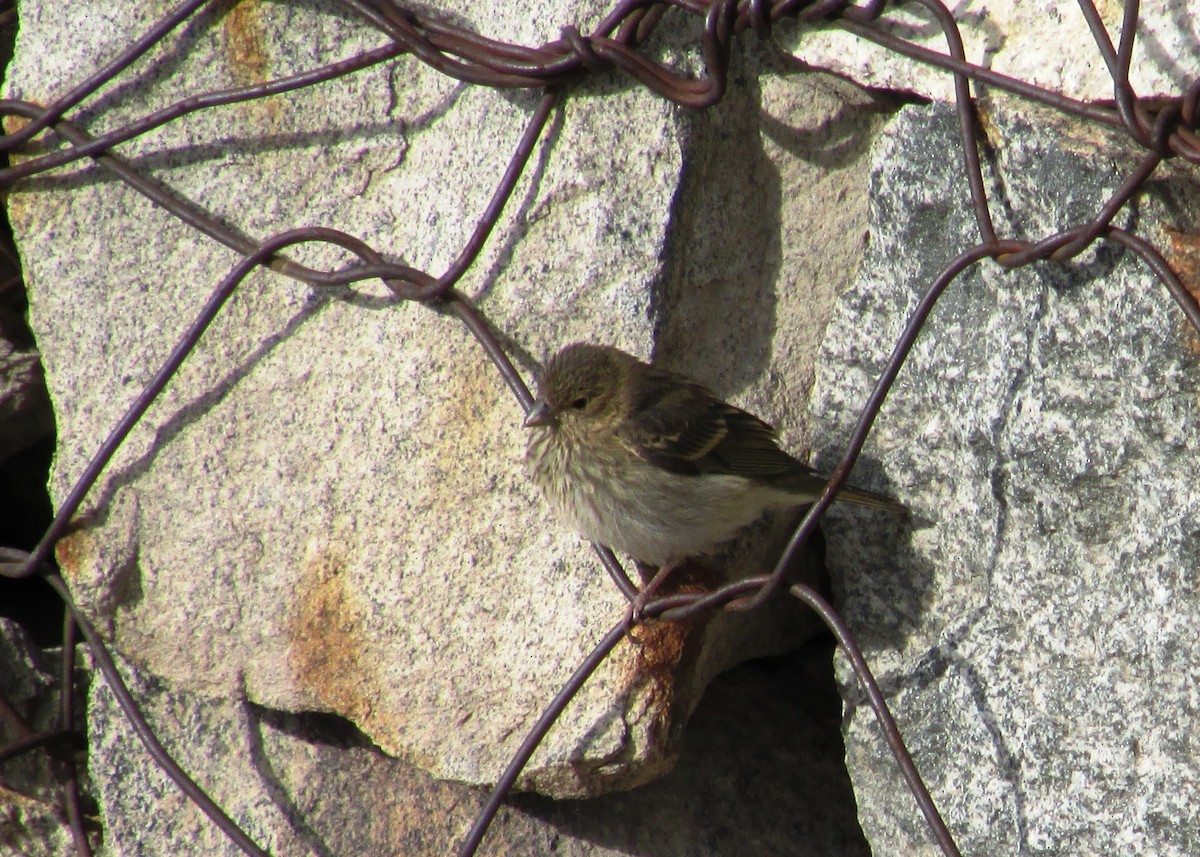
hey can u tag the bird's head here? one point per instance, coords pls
(580, 388)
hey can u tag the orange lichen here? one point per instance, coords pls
(325, 652)
(1184, 257)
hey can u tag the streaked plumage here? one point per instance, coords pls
(653, 464)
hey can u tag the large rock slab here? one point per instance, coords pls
(326, 510)
(1037, 638)
(1043, 42)
(305, 783)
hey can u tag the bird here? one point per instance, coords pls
(652, 463)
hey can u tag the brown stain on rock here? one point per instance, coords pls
(13, 124)
(660, 654)
(243, 38)
(1184, 257)
(74, 551)
(666, 644)
(466, 418)
(326, 653)
(663, 658)
(469, 427)
(661, 645)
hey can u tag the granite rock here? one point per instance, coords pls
(326, 511)
(311, 784)
(1041, 42)
(1034, 625)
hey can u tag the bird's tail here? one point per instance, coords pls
(801, 481)
(870, 498)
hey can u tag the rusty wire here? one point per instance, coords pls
(1164, 128)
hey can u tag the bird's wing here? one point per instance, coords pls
(682, 427)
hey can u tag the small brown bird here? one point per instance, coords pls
(653, 464)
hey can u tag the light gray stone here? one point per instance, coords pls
(1042, 42)
(1036, 631)
(326, 510)
(310, 784)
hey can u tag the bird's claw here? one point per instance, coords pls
(634, 615)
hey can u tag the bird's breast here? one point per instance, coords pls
(611, 496)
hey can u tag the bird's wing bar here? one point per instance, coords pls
(682, 427)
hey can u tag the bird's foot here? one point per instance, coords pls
(634, 617)
(635, 613)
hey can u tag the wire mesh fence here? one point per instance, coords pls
(681, 52)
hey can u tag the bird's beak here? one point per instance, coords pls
(539, 415)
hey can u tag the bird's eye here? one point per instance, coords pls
(580, 403)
